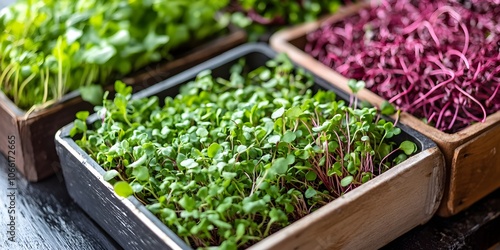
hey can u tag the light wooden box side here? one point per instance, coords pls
(471, 179)
(9, 127)
(373, 214)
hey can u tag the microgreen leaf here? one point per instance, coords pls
(355, 85)
(82, 115)
(122, 37)
(290, 159)
(99, 54)
(80, 125)
(241, 149)
(228, 175)
(366, 177)
(253, 206)
(240, 230)
(139, 162)
(265, 75)
(400, 158)
(310, 192)
(221, 224)
(213, 149)
(408, 147)
(187, 203)
(149, 149)
(123, 189)
(202, 132)
(387, 108)
(110, 174)
(141, 173)
(280, 166)
(289, 136)
(72, 34)
(189, 163)
(311, 176)
(122, 88)
(346, 181)
(92, 94)
(278, 113)
(294, 112)
(274, 139)
(277, 215)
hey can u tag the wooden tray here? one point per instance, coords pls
(35, 154)
(472, 160)
(367, 217)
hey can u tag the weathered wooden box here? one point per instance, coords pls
(472, 161)
(368, 217)
(35, 155)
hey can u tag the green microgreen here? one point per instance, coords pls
(227, 162)
(258, 17)
(49, 48)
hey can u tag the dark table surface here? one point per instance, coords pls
(47, 218)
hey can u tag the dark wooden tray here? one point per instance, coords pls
(369, 216)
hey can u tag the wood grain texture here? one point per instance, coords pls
(293, 40)
(471, 179)
(9, 127)
(46, 217)
(36, 157)
(373, 214)
(37, 136)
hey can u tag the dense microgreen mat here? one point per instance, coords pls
(259, 16)
(438, 60)
(51, 47)
(227, 162)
